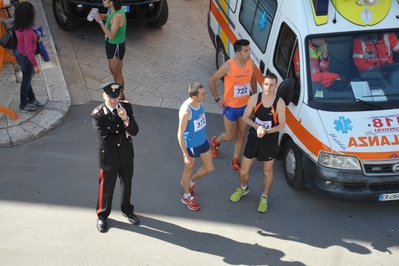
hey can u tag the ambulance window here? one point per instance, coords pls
(232, 4)
(257, 17)
(283, 57)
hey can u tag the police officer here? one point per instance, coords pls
(114, 124)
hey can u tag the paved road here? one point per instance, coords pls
(48, 187)
(48, 205)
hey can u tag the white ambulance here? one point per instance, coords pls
(341, 138)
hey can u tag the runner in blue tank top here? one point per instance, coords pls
(195, 134)
(193, 142)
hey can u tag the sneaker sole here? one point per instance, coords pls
(190, 208)
(27, 111)
(245, 193)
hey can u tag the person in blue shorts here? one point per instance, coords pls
(239, 83)
(193, 142)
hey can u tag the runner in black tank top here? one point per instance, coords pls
(267, 121)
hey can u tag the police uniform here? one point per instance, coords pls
(115, 152)
(265, 148)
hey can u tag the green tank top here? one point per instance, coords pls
(120, 35)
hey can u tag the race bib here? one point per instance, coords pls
(242, 90)
(199, 123)
(264, 124)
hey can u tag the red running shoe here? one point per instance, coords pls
(215, 147)
(236, 165)
(190, 203)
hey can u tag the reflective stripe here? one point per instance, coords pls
(396, 47)
(315, 53)
(116, 53)
(363, 46)
(358, 56)
(322, 64)
(387, 44)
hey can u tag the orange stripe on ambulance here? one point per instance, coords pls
(341, 136)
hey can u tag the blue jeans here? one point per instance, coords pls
(28, 70)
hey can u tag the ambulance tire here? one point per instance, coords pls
(293, 169)
(221, 55)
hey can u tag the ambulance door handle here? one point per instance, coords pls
(262, 66)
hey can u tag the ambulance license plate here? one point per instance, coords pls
(386, 197)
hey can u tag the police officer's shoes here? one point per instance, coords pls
(102, 226)
(132, 218)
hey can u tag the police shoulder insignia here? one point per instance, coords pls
(97, 109)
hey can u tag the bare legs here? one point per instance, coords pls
(267, 173)
(234, 128)
(115, 66)
(207, 161)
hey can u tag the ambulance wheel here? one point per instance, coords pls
(293, 170)
(221, 55)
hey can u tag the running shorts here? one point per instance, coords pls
(115, 50)
(196, 152)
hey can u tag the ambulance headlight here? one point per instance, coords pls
(339, 161)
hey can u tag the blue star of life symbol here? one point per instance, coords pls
(262, 20)
(343, 124)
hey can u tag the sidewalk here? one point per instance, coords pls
(49, 87)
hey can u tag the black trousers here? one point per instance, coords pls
(107, 185)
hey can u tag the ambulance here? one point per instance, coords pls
(342, 137)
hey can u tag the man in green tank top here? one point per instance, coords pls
(115, 34)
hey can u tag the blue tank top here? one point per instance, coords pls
(195, 134)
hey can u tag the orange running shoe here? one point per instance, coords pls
(215, 147)
(190, 203)
(235, 164)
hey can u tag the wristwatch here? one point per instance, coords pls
(101, 22)
(218, 99)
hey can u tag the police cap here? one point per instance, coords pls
(112, 89)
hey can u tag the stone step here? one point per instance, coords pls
(8, 73)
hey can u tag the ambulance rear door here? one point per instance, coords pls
(256, 23)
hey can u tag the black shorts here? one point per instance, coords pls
(264, 149)
(115, 50)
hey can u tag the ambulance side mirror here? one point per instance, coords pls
(285, 90)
